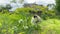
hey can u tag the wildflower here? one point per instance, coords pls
(21, 20)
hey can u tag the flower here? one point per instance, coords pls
(20, 21)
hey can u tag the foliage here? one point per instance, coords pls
(39, 10)
(5, 9)
(50, 26)
(58, 6)
(19, 21)
(20, 1)
(9, 24)
(21, 24)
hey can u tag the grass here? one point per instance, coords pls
(50, 26)
(21, 24)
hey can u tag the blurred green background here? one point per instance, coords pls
(19, 21)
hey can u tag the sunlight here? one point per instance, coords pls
(40, 1)
(30, 1)
(5, 1)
